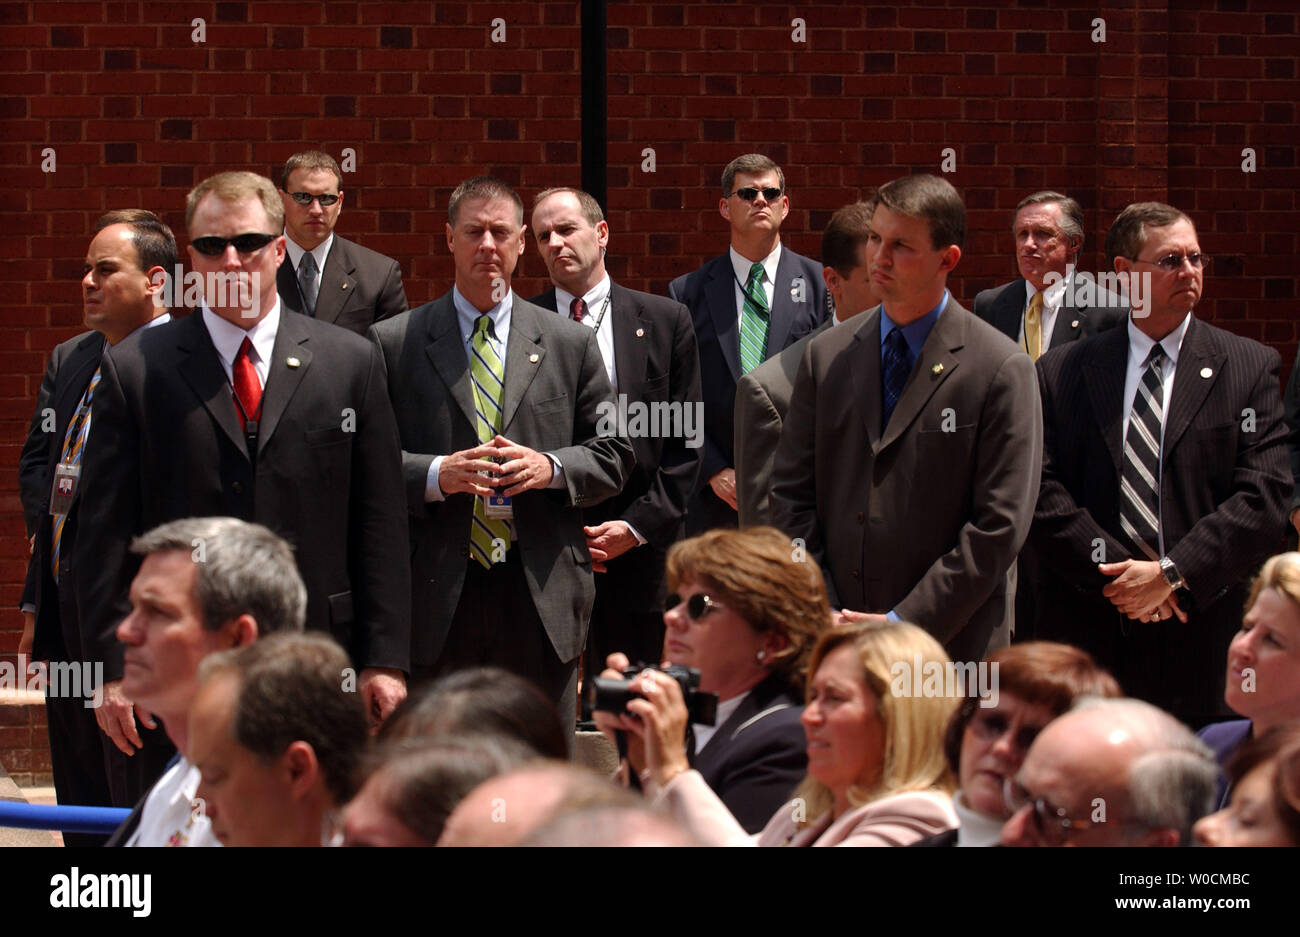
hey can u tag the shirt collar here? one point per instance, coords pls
(594, 298)
(1053, 295)
(740, 266)
(976, 829)
(321, 251)
(227, 337)
(1140, 344)
(468, 315)
(914, 333)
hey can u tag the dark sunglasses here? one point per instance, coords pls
(1172, 263)
(749, 193)
(213, 246)
(1052, 821)
(306, 198)
(993, 725)
(697, 606)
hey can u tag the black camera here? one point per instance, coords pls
(611, 696)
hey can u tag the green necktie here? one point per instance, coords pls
(754, 321)
(488, 373)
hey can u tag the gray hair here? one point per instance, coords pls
(243, 568)
(1172, 781)
(1071, 214)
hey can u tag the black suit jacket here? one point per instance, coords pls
(68, 374)
(1003, 307)
(1224, 490)
(326, 477)
(555, 383)
(756, 759)
(798, 306)
(358, 287)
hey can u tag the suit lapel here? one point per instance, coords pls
(1010, 307)
(937, 362)
(80, 368)
(865, 352)
(1069, 321)
(1104, 378)
(720, 297)
(337, 285)
(783, 306)
(1190, 386)
(282, 381)
(524, 357)
(201, 369)
(286, 284)
(629, 346)
(446, 351)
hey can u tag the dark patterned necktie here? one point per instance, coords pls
(1139, 502)
(897, 366)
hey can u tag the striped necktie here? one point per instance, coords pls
(486, 534)
(754, 320)
(74, 445)
(1139, 503)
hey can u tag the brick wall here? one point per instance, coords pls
(136, 112)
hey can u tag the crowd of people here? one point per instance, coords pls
(864, 567)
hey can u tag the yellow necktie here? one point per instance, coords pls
(1034, 326)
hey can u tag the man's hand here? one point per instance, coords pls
(608, 541)
(847, 616)
(459, 472)
(31, 544)
(1140, 590)
(382, 688)
(525, 470)
(29, 634)
(724, 486)
(116, 716)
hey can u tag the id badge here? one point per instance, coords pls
(66, 476)
(497, 505)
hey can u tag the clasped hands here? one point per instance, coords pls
(1140, 590)
(516, 469)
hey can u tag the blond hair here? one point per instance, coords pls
(1280, 572)
(235, 187)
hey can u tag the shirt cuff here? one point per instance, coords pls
(557, 472)
(892, 615)
(431, 490)
(28, 607)
(640, 541)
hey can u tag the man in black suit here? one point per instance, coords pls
(746, 305)
(648, 347)
(184, 430)
(1165, 477)
(763, 395)
(325, 276)
(125, 265)
(500, 565)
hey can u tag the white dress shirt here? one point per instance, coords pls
(171, 816)
(321, 251)
(227, 337)
(725, 708)
(595, 300)
(740, 266)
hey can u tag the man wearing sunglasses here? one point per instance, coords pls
(755, 300)
(245, 409)
(324, 275)
(1165, 477)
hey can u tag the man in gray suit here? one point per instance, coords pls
(498, 397)
(323, 275)
(763, 395)
(910, 459)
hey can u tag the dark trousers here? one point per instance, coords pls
(628, 614)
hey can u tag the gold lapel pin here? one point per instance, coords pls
(345, 286)
(1074, 324)
(1206, 372)
(937, 369)
(533, 359)
(293, 362)
(640, 333)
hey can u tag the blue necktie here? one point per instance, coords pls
(894, 374)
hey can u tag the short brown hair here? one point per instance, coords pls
(483, 187)
(848, 229)
(755, 574)
(590, 207)
(1281, 745)
(929, 197)
(1071, 213)
(155, 245)
(1128, 232)
(234, 187)
(751, 164)
(310, 159)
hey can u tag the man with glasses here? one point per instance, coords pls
(1165, 477)
(329, 277)
(245, 409)
(1116, 772)
(747, 305)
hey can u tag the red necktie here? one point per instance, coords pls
(577, 309)
(248, 388)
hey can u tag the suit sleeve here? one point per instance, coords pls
(1210, 556)
(414, 465)
(33, 462)
(597, 465)
(758, 432)
(1292, 405)
(1008, 466)
(657, 514)
(110, 516)
(392, 297)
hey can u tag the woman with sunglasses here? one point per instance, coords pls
(1263, 671)
(985, 745)
(745, 614)
(876, 773)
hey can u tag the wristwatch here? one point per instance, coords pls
(1172, 575)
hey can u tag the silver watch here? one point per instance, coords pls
(1172, 575)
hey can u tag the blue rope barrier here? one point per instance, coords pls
(69, 819)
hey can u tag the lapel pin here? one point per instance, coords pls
(1206, 372)
(1074, 324)
(533, 359)
(640, 333)
(937, 369)
(345, 286)
(292, 362)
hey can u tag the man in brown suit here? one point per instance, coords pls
(910, 459)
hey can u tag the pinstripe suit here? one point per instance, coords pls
(1224, 489)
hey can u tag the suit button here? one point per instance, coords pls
(237, 488)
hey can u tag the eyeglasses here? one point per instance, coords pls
(306, 198)
(697, 606)
(213, 246)
(1172, 263)
(990, 725)
(1052, 821)
(749, 193)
